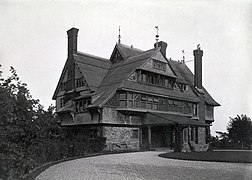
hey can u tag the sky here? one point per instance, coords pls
(33, 40)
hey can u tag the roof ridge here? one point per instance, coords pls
(126, 62)
(90, 64)
(129, 47)
(93, 56)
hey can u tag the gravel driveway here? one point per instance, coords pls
(144, 165)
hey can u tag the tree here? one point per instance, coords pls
(23, 125)
(31, 136)
(240, 130)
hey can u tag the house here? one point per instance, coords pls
(136, 99)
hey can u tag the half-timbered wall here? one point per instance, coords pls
(137, 100)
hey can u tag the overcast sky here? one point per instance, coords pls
(33, 39)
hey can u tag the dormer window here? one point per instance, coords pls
(81, 105)
(79, 82)
(156, 79)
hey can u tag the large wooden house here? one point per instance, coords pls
(136, 99)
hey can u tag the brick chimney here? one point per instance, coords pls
(72, 41)
(198, 53)
(163, 46)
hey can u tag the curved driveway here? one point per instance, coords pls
(144, 165)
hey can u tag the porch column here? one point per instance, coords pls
(149, 136)
(140, 136)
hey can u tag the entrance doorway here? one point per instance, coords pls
(161, 137)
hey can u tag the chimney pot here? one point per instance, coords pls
(72, 41)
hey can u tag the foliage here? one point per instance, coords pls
(238, 135)
(31, 136)
(240, 130)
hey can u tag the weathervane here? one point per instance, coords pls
(157, 36)
(119, 37)
(183, 60)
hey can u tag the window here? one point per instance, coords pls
(130, 103)
(62, 102)
(166, 83)
(123, 103)
(81, 105)
(185, 87)
(122, 96)
(135, 134)
(192, 133)
(144, 77)
(185, 135)
(123, 99)
(130, 95)
(196, 135)
(155, 106)
(149, 106)
(79, 82)
(195, 109)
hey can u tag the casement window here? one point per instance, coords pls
(81, 105)
(195, 110)
(123, 95)
(123, 99)
(155, 106)
(143, 101)
(130, 99)
(135, 134)
(62, 102)
(156, 79)
(144, 79)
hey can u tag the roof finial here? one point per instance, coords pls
(157, 36)
(119, 37)
(183, 60)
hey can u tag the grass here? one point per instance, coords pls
(216, 156)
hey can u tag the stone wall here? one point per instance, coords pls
(191, 145)
(201, 146)
(120, 138)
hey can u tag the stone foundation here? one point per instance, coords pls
(120, 138)
(188, 145)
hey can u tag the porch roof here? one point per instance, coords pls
(164, 118)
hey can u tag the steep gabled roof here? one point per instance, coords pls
(120, 71)
(124, 52)
(61, 77)
(185, 75)
(93, 68)
(128, 51)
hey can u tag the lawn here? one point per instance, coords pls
(217, 156)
